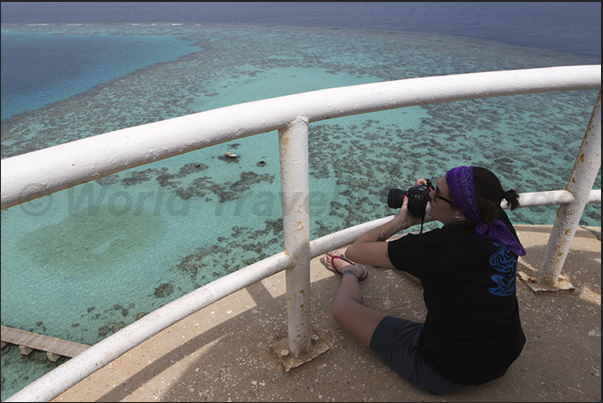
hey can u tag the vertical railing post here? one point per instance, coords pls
(580, 183)
(293, 144)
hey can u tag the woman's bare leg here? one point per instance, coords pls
(348, 309)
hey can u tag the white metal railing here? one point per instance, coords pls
(28, 176)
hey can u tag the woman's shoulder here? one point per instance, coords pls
(460, 227)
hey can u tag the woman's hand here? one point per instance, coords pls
(404, 218)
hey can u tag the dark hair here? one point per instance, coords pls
(490, 194)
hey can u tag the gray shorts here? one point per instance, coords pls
(396, 341)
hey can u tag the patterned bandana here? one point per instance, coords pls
(462, 189)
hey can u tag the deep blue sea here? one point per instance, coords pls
(83, 263)
(573, 27)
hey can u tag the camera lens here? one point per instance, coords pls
(395, 198)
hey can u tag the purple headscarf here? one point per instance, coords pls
(462, 189)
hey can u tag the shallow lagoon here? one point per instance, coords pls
(82, 263)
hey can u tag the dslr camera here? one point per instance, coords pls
(418, 197)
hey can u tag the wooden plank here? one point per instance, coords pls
(29, 340)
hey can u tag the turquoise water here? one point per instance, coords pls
(84, 262)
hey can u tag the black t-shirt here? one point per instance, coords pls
(472, 332)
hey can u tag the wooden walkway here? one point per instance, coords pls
(28, 341)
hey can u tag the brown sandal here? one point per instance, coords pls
(342, 257)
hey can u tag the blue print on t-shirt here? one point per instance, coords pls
(505, 262)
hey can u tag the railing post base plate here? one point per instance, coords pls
(562, 283)
(290, 360)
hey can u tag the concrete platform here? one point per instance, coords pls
(222, 352)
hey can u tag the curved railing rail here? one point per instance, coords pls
(28, 176)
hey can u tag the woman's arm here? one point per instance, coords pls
(371, 247)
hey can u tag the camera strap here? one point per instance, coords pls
(430, 186)
(422, 221)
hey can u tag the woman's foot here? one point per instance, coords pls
(338, 263)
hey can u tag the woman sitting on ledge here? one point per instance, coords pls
(472, 332)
